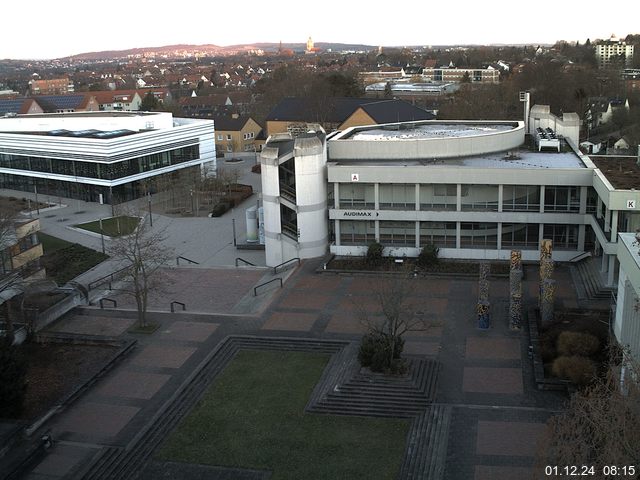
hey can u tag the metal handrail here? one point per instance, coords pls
(255, 289)
(175, 302)
(187, 259)
(113, 302)
(580, 256)
(245, 261)
(110, 278)
(275, 269)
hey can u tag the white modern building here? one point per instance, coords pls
(475, 189)
(626, 327)
(614, 52)
(98, 156)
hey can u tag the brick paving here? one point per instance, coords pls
(498, 413)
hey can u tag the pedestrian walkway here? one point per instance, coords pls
(497, 415)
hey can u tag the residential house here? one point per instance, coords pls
(118, 100)
(20, 251)
(294, 115)
(236, 134)
(54, 86)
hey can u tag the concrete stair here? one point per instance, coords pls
(426, 452)
(591, 278)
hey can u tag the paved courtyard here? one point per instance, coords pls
(498, 413)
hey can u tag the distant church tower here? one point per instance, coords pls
(309, 45)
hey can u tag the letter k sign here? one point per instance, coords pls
(631, 204)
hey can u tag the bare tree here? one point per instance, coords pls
(398, 302)
(145, 252)
(599, 427)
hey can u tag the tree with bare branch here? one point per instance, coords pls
(397, 302)
(146, 253)
(599, 427)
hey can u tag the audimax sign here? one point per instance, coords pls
(359, 213)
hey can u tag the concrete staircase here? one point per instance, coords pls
(588, 272)
(426, 452)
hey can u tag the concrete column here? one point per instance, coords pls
(541, 201)
(417, 234)
(599, 208)
(581, 237)
(540, 233)
(336, 231)
(417, 197)
(376, 196)
(604, 262)
(607, 220)
(458, 229)
(614, 226)
(583, 200)
(458, 197)
(612, 271)
(377, 229)
(499, 236)
(500, 198)
(336, 195)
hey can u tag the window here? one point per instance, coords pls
(561, 199)
(220, 136)
(480, 197)
(398, 233)
(354, 232)
(398, 196)
(228, 136)
(479, 235)
(438, 197)
(440, 234)
(357, 195)
(521, 235)
(564, 237)
(521, 198)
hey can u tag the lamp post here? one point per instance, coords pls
(101, 236)
(150, 213)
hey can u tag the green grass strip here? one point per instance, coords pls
(253, 417)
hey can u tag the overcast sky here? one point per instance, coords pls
(49, 29)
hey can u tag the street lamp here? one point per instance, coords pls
(150, 214)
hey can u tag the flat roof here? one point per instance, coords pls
(622, 172)
(101, 113)
(522, 158)
(416, 131)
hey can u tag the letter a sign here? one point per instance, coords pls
(355, 177)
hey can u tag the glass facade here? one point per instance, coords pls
(480, 197)
(398, 233)
(478, 235)
(520, 235)
(440, 234)
(564, 237)
(397, 196)
(357, 195)
(561, 199)
(520, 198)
(438, 196)
(353, 232)
(98, 170)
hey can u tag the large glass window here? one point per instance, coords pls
(398, 233)
(561, 199)
(480, 197)
(521, 235)
(357, 195)
(289, 222)
(521, 198)
(479, 235)
(564, 237)
(438, 197)
(440, 234)
(397, 196)
(354, 232)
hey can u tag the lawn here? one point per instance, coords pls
(253, 417)
(112, 227)
(64, 260)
